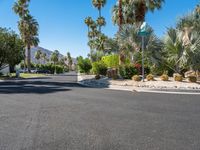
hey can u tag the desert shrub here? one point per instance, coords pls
(178, 77)
(164, 77)
(192, 78)
(127, 71)
(99, 68)
(150, 77)
(136, 78)
(84, 65)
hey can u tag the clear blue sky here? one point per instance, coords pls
(62, 21)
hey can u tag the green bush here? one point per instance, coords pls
(51, 68)
(111, 61)
(99, 68)
(127, 71)
(84, 65)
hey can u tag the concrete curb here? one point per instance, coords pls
(147, 90)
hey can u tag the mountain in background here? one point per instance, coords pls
(48, 54)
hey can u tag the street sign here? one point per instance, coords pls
(143, 30)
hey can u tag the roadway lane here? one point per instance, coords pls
(55, 113)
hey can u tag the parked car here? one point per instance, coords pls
(43, 71)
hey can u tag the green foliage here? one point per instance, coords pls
(11, 48)
(127, 71)
(51, 68)
(84, 65)
(111, 61)
(99, 68)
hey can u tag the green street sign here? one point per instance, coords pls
(143, 30)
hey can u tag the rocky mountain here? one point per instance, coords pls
(43, 50)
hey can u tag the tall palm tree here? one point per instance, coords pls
(29, 33)
(134, 11)
(28, 28)
(99, 4)
(101, 22)
(21, 8)
(88, 21)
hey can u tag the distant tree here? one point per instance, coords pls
(44, 57)
(55, 58)
(69, 60)
(38, 55)
(99, 4)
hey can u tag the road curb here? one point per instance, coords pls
(147, 90)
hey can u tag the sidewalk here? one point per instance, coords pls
(147, 86)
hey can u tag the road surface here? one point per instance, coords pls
(56, 113)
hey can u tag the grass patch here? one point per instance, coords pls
(22, 75)
(29, 75)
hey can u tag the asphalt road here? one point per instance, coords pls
(55, 113)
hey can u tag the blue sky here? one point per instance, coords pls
(62, 21)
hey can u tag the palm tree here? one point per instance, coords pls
(69, 59)
(101, 22)
(29, 34)
(38, 55)
(28, 28)
(55, 58)
(134, 11)
(21, 8)
(130, 43)
(88, 21)
(99, 4)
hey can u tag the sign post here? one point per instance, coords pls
(143, 32)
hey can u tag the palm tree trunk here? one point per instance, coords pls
(99, 17)
(28, 58)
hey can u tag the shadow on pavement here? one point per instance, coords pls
(37, 87)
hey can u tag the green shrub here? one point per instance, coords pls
(127, 71)
(99, 68)
(84, 65)
(178, 77)
(51, 67)
(150, 77)
(111, 61)
(136, 78)
(164, 77)
(192, 78)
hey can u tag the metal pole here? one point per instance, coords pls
(143, 58)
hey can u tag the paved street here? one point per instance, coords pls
(55, 113)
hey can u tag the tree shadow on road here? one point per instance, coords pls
(35, 87)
